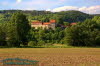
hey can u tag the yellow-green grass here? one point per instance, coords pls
(55, 56)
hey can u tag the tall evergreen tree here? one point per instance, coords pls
(18, 29)
(2, 36)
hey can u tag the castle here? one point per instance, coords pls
(47, 25)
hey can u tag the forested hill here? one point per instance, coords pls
(96, 14)
(44, 16)
(74, 16)
(33, 13)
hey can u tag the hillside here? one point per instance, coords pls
(96, 14)
(64, 16)
(60, 17)
(74, 16)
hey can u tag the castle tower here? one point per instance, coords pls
(53, 24)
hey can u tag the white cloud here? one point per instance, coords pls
(90, 10)
(64, 8)
(18, 1)
(48, 10)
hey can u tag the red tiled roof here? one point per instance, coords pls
(46, 23)
(73, 23)
(52, 21)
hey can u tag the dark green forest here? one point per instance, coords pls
(16, 30)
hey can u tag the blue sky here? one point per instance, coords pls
(87, 6)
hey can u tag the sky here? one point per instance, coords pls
(86, 6)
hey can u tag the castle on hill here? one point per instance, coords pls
(47, 25)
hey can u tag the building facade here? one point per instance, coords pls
(47, 25)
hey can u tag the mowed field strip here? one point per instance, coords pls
(55, 56)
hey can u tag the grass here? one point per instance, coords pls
(51, 46)
(55, 56)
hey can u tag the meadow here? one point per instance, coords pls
(55, 56)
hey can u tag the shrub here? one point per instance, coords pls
(41, 43)
(31, 43)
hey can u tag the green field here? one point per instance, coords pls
(55, 56)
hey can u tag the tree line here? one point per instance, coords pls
(16, 31)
